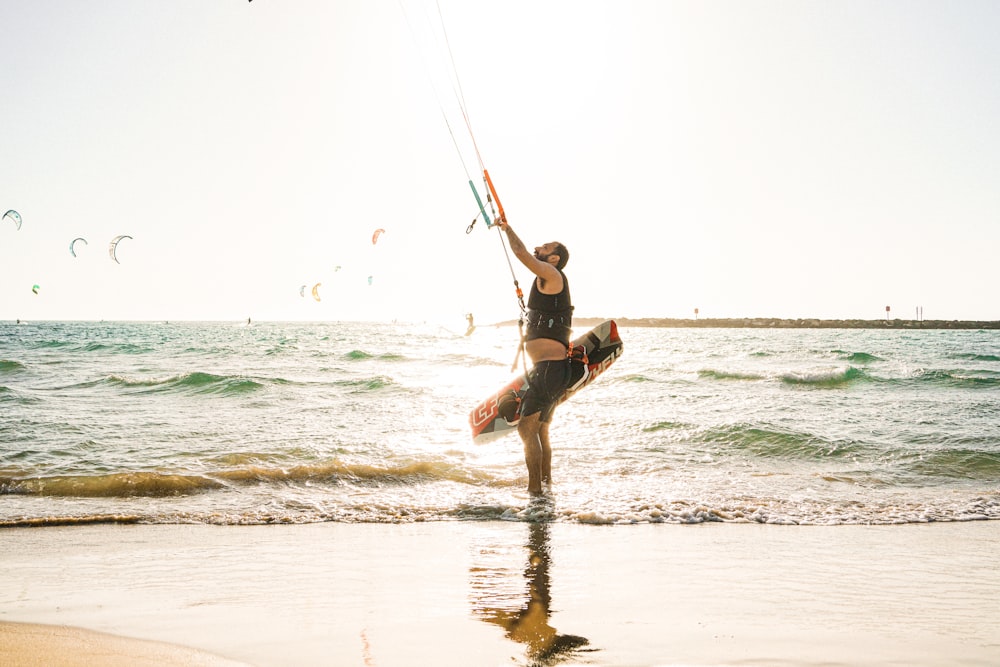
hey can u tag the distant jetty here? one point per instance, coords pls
(776, 323)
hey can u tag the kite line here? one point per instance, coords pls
(492, 199)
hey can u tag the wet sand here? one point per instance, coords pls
(499, 593)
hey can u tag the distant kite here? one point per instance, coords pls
(315, 291)
(35, 288)
(73, 243)
(378, 233)
(370, 279)
(13, 215)
(114, 244)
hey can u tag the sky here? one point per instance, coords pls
(747, 158)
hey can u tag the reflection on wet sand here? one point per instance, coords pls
(501, 598)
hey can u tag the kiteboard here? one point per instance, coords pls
(497, 415)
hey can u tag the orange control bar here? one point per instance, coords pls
(493, 191)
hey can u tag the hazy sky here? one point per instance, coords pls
(747, 158)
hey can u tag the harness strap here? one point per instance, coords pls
(577, 353)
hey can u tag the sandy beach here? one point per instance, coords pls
(491, 593)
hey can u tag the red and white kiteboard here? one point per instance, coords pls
(497, 415)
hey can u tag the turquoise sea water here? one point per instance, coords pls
(304, 422)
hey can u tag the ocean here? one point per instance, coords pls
(262, 423)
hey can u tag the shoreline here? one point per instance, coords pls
(659, 322)
(779, 323)
(460, 593)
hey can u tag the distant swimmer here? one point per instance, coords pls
(546, 342)
(472, 326)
